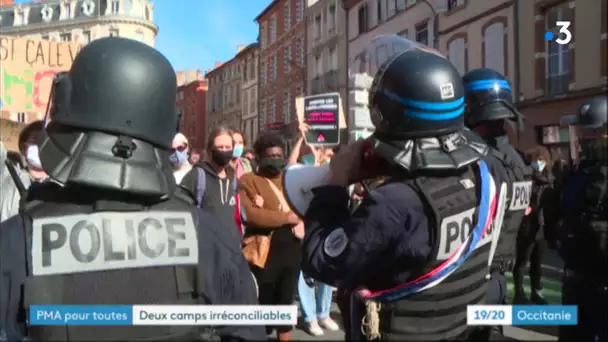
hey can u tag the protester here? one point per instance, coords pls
(530, 238)
(179, 157)
(9, 192)
(29, 149)
(213, 182)
(315, 297)
(241, 165)
(272, 240)
(195, 157)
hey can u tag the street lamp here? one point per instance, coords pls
(435, 24)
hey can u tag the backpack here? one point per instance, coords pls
(201, 183)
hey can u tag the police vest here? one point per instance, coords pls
(91, 256)
(438, 311)
(589, 223)
(518, 197)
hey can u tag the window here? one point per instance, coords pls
(318, 27)
(318, 66)
(400, 5)
(558, 56)
(245, 102)
(333, 59)
(299, 10)
(273, 29)
(228, 98)
(22, 17)
(452, 4)
(331, 13)
(300, 52)
(379, 11)
(264, 76)
(86, 36)
(287, 59)
(272, 117)
(273, 72)
(363, 19)
(494, 47)
(115, 6)
(390, 8)
(21, 117)
(65, 37)
(213, 102)
(263, 36)
(113, 32)
(67, 10)
(457, 54)
(254, 98)
(139, 35)
(422, 33)
(246, 71)
(287, 107)
(44, 37)
(287, 15)
(263, 115)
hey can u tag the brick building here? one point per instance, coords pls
(192, 105)
(215, 103)
(282, 71)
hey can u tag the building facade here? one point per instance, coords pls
(231, 113)
(367, 19)
(282, 68)
(249, 59)
(192, 108)
(215, 96)
(549, 80)
(326, 47)
(79, 20)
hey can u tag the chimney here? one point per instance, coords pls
(218, 64)
(240, 48)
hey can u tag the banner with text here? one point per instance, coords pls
(28, 67)
(322, 115)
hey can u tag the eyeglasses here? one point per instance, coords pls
(180, 148)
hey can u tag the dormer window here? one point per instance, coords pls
(115, 6)
(67, 8)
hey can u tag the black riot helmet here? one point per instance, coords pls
(591, 115)
(489, 97)
(413, 91)
(119, 86)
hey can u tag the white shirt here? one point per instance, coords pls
(179, 174)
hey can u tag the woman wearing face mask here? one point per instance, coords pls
(531, 236)
(272, 239)
(241, 165)
(217, 192)
(179, 157)
(29, 148)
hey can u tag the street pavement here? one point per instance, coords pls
(552, 280)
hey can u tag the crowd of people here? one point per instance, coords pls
(379, 231)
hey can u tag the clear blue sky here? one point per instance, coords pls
(194, 34)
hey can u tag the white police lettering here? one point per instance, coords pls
(335, 243)
(454, 231)
(232, 201)
(110, 240)
(520, 197)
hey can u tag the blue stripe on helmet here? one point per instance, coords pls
(435, 116)
(423, 105)
(486, 84)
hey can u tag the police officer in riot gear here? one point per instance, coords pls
(489, 110)
(418, 249)
(109, 229)
(583, 237)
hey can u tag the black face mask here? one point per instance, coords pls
(272, 166)
(221, 158)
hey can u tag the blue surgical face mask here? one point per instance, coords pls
(539, 165)
(237, 152)
(178, 157)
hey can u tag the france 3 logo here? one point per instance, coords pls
(564, 36)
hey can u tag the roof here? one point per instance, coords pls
(266, 10)
(247, 49)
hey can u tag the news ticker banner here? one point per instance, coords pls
(163, 314)
(521, 315)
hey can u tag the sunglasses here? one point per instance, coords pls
(181, 148)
